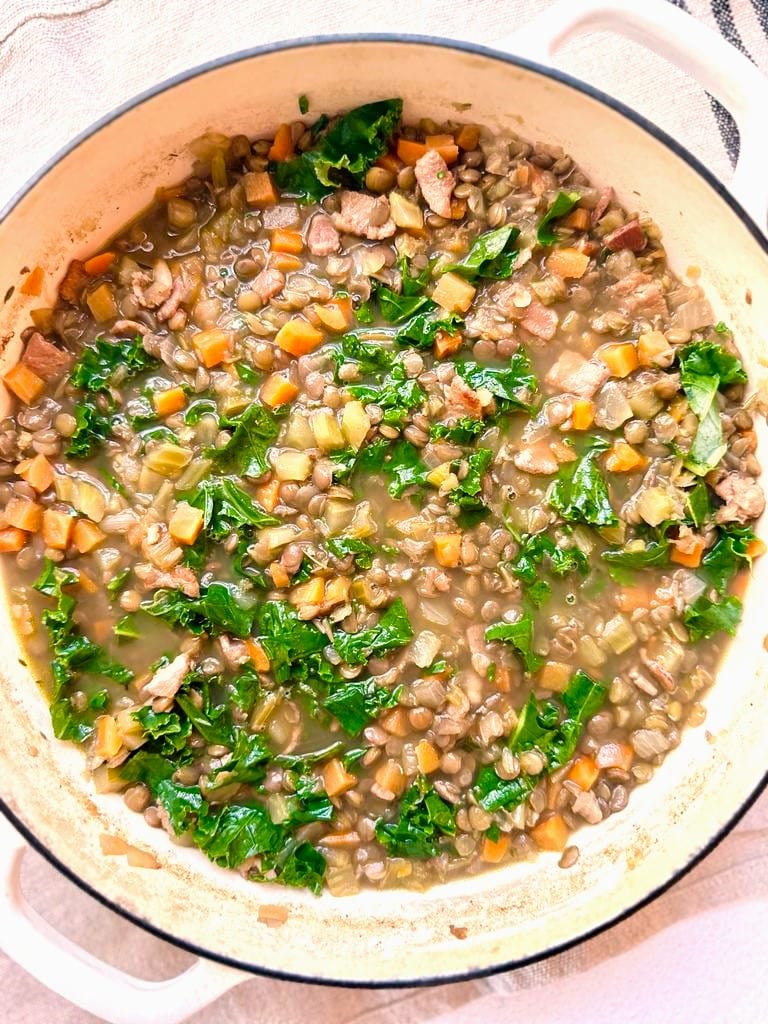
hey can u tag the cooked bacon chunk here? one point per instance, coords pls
(575, 375)
(179, 578)
(322, 237)
(45, 359)
(743, 496)
(628, 236)
(540, 320)
(436, 182)
(268, 283)
(365, 216)
(638, 294)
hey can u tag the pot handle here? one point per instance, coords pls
(105, 991)
(695, 48)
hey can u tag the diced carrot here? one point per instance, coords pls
(24, 514)
(12, 539)
(335, 315)
(33, 282)
(24, 383)
(688, 554)
(582, 414)
(267, 495)
(577, 219)
(284, 240)
(620, 358)
(395, 722)
(617, 755)
(212, 346)
(629, 599)
(458, 208)
(277, 390)
(282, 147)
(38, 472)
(279, 575)
(298, 337)
(390, 163)
(468, 136)
(57, 529)
(446, 344)
(551, 833)
(494, 850)
(390, 776)
(310, 593)
(427, 757)
(653, 347)
(584, 772)
(567, 262)
(336, 779)
(99, 264)
(108, 740)
(502, 679)
(259, 188)
(438, 141)
(409, 151)
(755, 548)
(623, 458)
(284, 261)
(102, 627)
(555, 676)
(257, 655)
(169, 401)
(448, 549)
(87, 535)
(185, 523)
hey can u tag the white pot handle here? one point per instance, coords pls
(100, 989)
(702, 53)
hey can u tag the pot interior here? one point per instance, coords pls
(515, 913)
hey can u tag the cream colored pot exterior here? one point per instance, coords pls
(515, 913)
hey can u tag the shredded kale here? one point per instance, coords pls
(492, 255)
(705, 368)
(397, 395)
(468, 495)
(580, 493)
(355, 703)
(362, 552)
(536, 551)
(392, 630)
(636, 555)
(513, 386)
(220, 608)
(73, 654)
(227, 508)
(551, 729)
(518, 634)
(422, 329)
(729, 553)
(253, 432)
(425, 821)
(372, 356)
(93, 372)
(704, 618)
(464, 431)
(343, 154)
(562, 204)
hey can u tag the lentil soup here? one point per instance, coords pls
(376, 505)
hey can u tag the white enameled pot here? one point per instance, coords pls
(513, 915)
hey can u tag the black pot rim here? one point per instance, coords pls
(651, 129)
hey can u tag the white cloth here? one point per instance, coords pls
(689, 956)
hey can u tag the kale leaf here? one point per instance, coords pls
(422, 329)
(227, 507)
(355, 703)
(513, 386)
(580, 494)
(253, 432)
(397, 395)
(362, 552)
(425, 820)
(553, 731)
(705, 368)
(219, 609)
(392, 630)
(636, 555)
(729, 553)
(491, 255)
(343, 154)
(463, 431)
(372, 356)
(562, 204)
(468, 494)
(704, 618)
(518, 634)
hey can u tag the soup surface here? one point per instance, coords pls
(376, 505)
